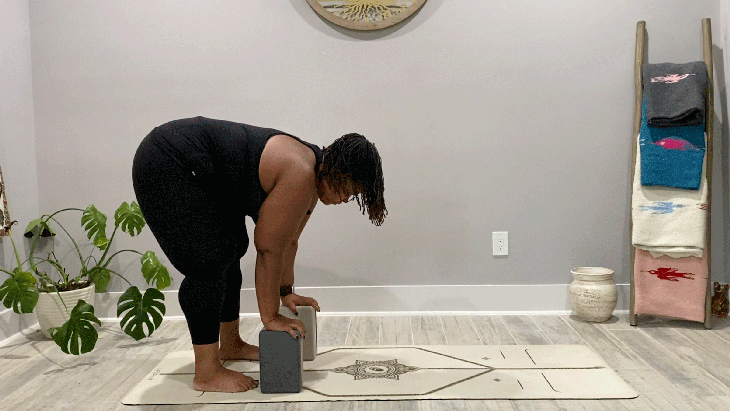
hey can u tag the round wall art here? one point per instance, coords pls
(365, 14)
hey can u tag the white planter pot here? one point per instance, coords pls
(593, 293)
(50, 310)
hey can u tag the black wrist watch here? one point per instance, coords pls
(285, 290)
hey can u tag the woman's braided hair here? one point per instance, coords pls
(352, 158)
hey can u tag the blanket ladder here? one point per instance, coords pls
(709, 119)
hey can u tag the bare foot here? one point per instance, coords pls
(224, 380)
(238, 350)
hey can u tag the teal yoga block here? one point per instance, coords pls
(280, 362)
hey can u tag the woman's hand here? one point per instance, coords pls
(291, 301)
(281, 323)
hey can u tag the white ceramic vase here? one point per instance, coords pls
(50, 310)
(593, 293)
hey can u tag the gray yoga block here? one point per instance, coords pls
(280, 362)
(308, 316)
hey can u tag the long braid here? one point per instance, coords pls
(352, 158)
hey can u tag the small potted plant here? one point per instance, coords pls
(70, 299)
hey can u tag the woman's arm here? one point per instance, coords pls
(290, 254)
(291, 251)
(278, 226)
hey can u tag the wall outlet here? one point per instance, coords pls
(499, 243)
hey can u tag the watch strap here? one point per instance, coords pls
(285, 290)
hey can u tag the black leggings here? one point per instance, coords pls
(188, 218)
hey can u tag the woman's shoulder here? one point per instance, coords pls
(290, 150)
(283, 154)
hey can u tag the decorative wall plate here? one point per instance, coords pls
(365, 14)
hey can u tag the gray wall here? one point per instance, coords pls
(17, 140)
(17, 135)
(489, 116)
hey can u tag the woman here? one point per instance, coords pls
(196, 179)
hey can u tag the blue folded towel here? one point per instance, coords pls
(671, 156)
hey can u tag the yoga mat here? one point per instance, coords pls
(410, 372)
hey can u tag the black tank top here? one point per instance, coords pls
(224, 157)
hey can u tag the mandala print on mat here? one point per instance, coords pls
(376, 369)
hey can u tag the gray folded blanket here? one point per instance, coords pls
(675, 94)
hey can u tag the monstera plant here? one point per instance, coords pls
(77, 336)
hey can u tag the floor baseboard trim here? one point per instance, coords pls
(372, 300)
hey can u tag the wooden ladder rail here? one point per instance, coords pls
(709, 129)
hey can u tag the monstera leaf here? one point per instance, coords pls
(142, 310)
(77, 335)
(130, 217)
(153, 270)
(94, 222)
(42, 228)
(19, 292)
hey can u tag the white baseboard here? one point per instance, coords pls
(372, 300)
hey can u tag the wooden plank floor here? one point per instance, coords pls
(674, 365)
